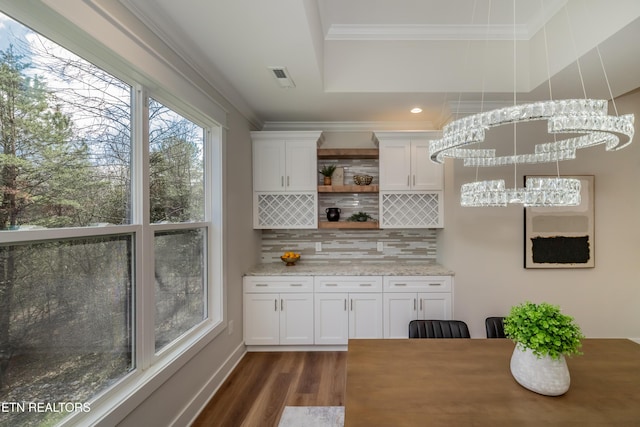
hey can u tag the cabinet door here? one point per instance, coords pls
(395, 165)
(269, 166)
(296, 319)
(435, 305)
(261, 319)
(425, 174)
(365, 315)
(399, 309)
(301, 166)
(331, 318)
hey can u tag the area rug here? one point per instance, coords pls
(312, 416)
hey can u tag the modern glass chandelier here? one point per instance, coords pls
(586, 117)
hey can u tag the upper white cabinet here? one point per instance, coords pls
(285, 161)
(405, 164)
(411, 185)
(285, 179)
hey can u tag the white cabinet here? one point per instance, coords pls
(405, 164)
(415, 297)
(411, 185)
(330, 310)
(347, 307)
(285, 161)
(278, 310)
(285, 178)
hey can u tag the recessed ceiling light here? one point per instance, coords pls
(416, 110)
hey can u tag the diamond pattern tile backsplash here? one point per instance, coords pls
(350, 245)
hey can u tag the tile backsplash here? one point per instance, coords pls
(345, 244)
(350, 245)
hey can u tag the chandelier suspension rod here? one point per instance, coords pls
(575, 51)
(546, 55)
(613, 101)
(484, 68)
(515, 102)
(466, 57)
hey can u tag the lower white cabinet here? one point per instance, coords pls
(330, 310)
(414, 297)
(347, 307)
(278, 310)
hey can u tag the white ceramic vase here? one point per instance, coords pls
(543, 375)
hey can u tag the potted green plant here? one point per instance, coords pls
(327, 171)
(360, 217)
(543, 336)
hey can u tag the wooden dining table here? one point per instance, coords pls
(467, 382)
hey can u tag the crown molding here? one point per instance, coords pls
(348, 126)
(343, 32)
(426, 32)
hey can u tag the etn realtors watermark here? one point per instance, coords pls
(60, 407)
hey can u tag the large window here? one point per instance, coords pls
(100, 224)
(176, 162)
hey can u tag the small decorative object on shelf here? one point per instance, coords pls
(338, 176)
(362, 179)
(327, 171)
(360, 217)
(333, 214)
(290, 258)
(543, 336)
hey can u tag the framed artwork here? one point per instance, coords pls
(561, 237)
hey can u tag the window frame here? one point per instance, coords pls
(151, 369)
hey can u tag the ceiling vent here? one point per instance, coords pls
(282, 76)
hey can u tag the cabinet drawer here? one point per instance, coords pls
(417, 284)
(348, 284)
(267, 284)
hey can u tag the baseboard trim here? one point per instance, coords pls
(252, 348)
(191, 411)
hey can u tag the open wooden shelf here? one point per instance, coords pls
(348, 153)
(373, 188)
(348, 224)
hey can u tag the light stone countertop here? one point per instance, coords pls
(352, 268)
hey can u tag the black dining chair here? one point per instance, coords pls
(495, 327)
(438, 329)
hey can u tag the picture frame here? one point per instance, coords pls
(562, 237)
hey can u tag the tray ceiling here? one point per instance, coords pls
(372, 60)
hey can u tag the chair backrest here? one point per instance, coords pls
(438, 329)
(495, 327)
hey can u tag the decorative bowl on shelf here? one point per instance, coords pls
(362, 179)
(290, 258)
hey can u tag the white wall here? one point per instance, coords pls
(484, 246)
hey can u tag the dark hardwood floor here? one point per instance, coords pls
(262, 384)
